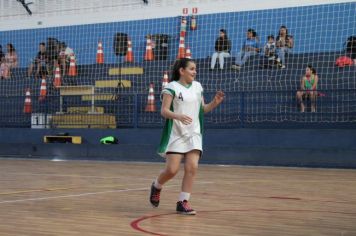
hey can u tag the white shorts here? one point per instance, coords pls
(184, 144)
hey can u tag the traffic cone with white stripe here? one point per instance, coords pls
(72, 67)
(28, 103)
(43, 91)
(151, 106)
(165, 80)
(181, 49)
(129, 55)
(100, 53)
(149, 52)
(57, 78)
(188, 53)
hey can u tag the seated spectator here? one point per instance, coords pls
(269, 52)
(284, 44)
(351, 48)
(52, 49)
(64, 57)
(4, 69)
(308, 87)
(11, 56)
(1, 53)
(222, 49)
(250, 48)
(40, 62)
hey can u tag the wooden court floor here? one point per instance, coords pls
(39, 197)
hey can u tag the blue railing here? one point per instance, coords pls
(254, 109)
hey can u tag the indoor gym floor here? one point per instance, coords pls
(42, 197)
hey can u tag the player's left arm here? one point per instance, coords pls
(219, 97)
(316, 80)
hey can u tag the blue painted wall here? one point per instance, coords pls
(315, 29)
(268, 147)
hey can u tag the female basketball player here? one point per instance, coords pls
(183, 107)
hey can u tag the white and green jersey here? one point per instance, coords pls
(176, 136)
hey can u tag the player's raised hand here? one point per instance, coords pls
(219, 97)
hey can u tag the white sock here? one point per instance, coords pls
(157, 185)
(184, 196)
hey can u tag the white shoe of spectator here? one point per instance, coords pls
(235, 67)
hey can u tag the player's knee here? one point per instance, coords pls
(171, 172)
(191, 170)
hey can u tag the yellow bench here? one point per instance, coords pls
(126, 71)
(72, 121)
(62, 139)
(84, 110)
(113, 83)
(76, 90)
(107, 84)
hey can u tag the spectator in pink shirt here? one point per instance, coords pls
(11, 56)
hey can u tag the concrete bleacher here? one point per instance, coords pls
(246, 78)
(120, 99)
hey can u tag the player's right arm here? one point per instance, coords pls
(168, 114)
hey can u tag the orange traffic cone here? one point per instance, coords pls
(151, 106)
(57, 78)
(181, 50)
(149, 52)
(43, 91)
(72, 67)
(100, 53)
(28, 103)
(188, 53)
(129, 55)
(165, 80)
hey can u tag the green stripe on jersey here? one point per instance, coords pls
(201, 118)
(166, 133)
(169, 91)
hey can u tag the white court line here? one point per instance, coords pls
(87, 194)
(90, 176)
(77, 176)
(75, 195)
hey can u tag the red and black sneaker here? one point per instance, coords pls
(184, 208)
(155, 195)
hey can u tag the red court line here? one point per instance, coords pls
(135, 224)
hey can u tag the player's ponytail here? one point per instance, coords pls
(180, 63)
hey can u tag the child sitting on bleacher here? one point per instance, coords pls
(269, 50)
